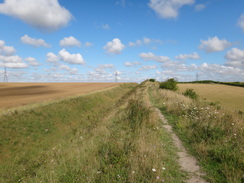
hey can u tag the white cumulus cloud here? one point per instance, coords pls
(32, 61)
(88, 44)
(69, 42)
(72, 71)
(34, 42)
(193, 56)
(152, 57)
(71, 58)
(214, 44)
(106, 66)
(235, 58)
(52, 58)
(15, 62)
(114, 47)
(46, 15)
(168, 8)
(132, 64)
(147, 67)
(241, 22)
(6, 50)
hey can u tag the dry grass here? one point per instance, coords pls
(214, 135)
(109, 136)
(19, 94)
(229, 97)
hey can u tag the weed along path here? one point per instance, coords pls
(187, 162)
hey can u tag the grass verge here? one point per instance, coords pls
(214, 136)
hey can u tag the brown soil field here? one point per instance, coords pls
(229, 97)
(20, 94)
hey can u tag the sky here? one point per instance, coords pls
(124, 40)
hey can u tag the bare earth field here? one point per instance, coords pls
(230, 97)
(19, 94)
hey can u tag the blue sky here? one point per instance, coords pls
(90, 41)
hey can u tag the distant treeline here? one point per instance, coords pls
(240, 84)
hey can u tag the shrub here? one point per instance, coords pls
(152, 80)
(169, 84)
(189, 92)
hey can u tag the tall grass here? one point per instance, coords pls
(215, 136)
(110, 136)
(35, 141)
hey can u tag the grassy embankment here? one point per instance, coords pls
(214, 136)
(229, 97)
(110, 136)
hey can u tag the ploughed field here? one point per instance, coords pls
(230, 97)
(19, 94)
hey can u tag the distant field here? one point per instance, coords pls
(19, 94)
(229, 97)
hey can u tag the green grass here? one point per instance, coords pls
(214, 136)
(28, 137)
(110, 136)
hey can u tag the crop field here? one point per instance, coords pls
(19, 94)
(229, 97)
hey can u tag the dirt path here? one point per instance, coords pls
(187, 162)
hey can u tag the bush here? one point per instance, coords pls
(190, 93)
(169, 84)
(152, 80)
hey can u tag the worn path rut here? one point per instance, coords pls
(187, 162)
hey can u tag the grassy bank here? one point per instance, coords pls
(32, 140)
(214, 136)
(110, 136)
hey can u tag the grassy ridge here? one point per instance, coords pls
(213, 135)
(110, 136)
(29, 140)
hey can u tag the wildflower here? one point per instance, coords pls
(133, 172)
(154, 170)
(163, 168)
(158, 177)
(233, 124)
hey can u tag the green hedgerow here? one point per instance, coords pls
(169, 84)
